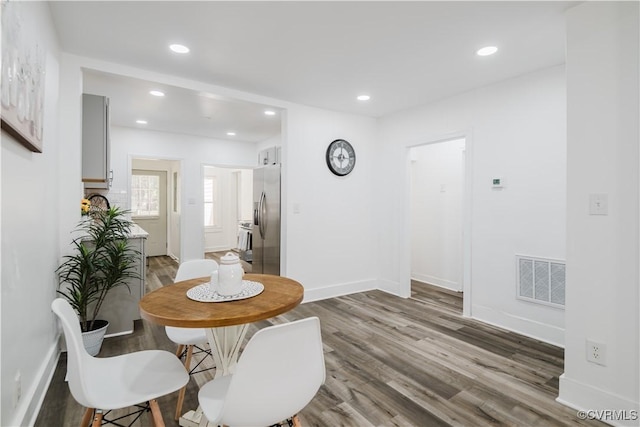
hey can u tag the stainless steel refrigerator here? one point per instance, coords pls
(266, 220)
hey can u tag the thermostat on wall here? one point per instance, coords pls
(497, 182)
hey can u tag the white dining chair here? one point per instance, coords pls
(278, 374)
(189, 338)
(104, 384)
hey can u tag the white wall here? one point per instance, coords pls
(329, 220)
(514, 129)
(436, 213)
(31, 186)
(246, 194)
(602, 252)
(192, 152)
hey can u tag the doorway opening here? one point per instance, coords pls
(155, 204)
(228, 210)
(437, 210)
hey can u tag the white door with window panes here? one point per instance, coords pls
(149, 207)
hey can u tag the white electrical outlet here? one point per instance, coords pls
(596, 352)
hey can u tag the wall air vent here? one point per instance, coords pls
(540, 280)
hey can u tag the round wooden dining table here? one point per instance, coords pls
(226, 323)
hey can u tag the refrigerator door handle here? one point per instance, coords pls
(262, 215)
(256, 215)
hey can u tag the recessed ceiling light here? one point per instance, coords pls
(231, 133)
(141, 122)
(363, 97)
(156, 93)
(486, 51)
(270, 112)
(178, 48)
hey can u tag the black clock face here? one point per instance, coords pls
(341, 157)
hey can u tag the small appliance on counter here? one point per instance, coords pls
(245, 240)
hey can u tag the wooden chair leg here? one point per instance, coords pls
(187, 365)
(156, 414)
(296, 421)
(179, 351)
(97, 418)
(86, 418)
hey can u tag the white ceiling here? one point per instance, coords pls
(181, 110)
(321, 54)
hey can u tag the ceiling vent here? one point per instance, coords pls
(541, 280)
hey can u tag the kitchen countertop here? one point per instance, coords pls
(137, 231)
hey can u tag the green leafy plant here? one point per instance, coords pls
(102, 260)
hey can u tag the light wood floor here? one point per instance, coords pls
(390, 362)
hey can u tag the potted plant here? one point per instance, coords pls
(102, 260)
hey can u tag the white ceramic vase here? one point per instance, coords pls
(230, 274)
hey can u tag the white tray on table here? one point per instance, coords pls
(202, 293)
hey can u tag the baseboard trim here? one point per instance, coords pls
(584, 397)
(527, 327)
(338, 290)
(117, 334)
(218, 249)
(436, 281)
(392, 288)
(28, 410)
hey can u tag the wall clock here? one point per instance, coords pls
(98, 201)
(341, 157)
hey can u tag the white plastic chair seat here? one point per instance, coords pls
(189, 337)
(211, 397)
(116, 382)
(186, 336)
(129, 379)
(190, 270)
(277, 375)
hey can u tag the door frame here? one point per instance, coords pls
(405, 247)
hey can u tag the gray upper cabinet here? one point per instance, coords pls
(95, 141)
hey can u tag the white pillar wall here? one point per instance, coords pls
(602, 250)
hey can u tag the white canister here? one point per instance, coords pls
(230, 274)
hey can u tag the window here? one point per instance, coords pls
(145, 195)
(211, 205)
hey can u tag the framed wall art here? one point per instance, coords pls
(22, 80)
